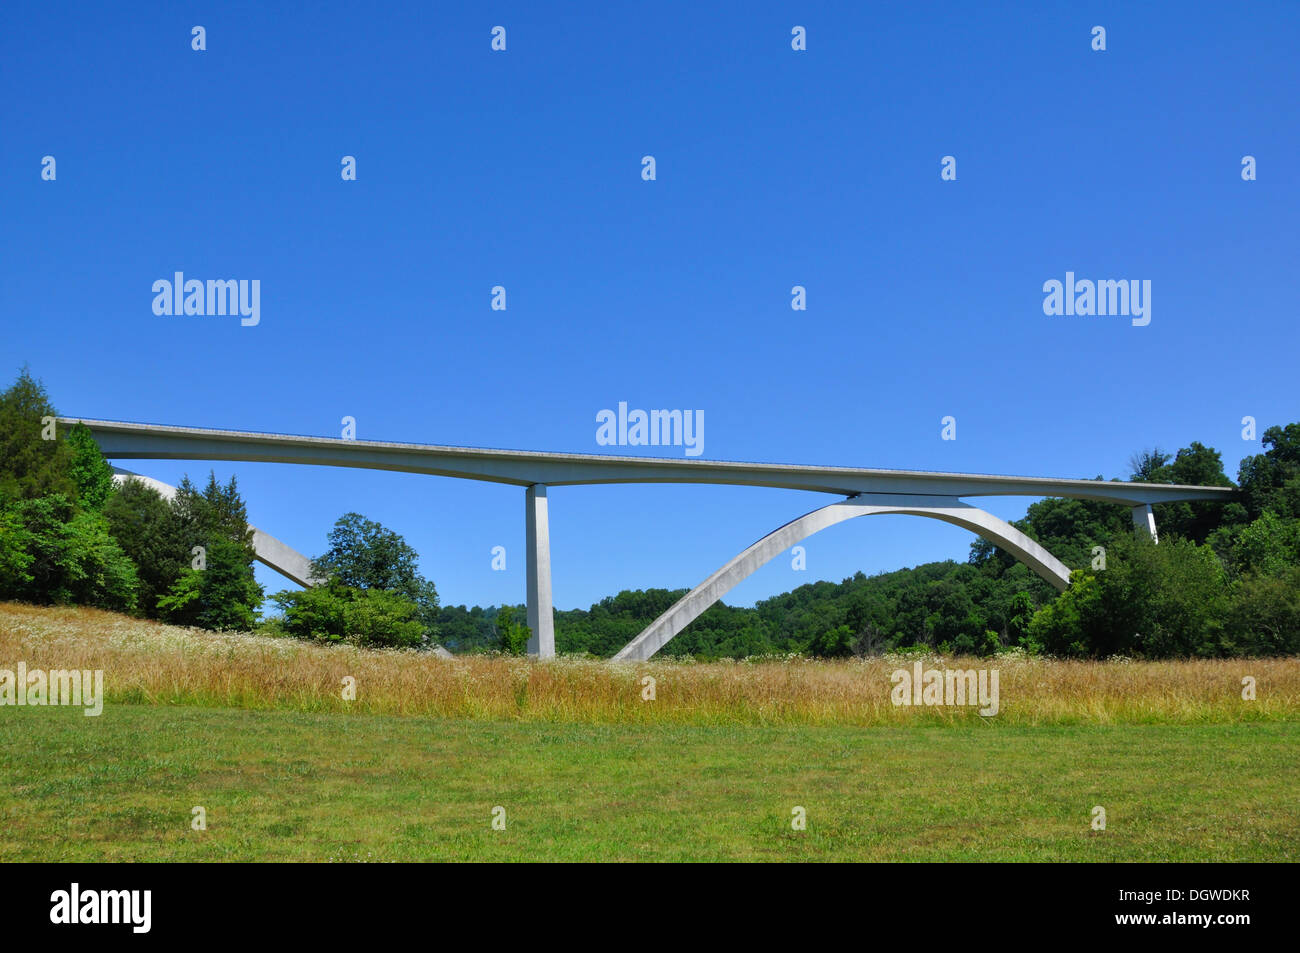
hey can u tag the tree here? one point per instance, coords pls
(1157, 601)
(1145, 465)
(1268, 546)
(222, 595)
(149, 533)
(1271, 480)
(833, 643)
(90, 473)
(14, 557)
(1067, 528)
(218, 512)
(364, 554)
(1196, 465)
(1020, 614)
(512, 636)
(57, 554)
(31, 466)
(1264, 614)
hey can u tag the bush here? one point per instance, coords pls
(513, 635)
(337, 613)
(1264, 615)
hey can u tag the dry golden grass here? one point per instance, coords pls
(146, 662)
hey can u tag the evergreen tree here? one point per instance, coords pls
(88, 468)
(30, 465)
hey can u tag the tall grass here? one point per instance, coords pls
(149, 663)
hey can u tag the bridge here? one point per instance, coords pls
(864, 492)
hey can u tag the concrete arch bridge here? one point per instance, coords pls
(862, 492)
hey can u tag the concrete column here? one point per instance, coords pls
(540, 617)
(1144, 520)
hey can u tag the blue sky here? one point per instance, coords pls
(775, 168)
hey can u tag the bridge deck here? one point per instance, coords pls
(122, 440)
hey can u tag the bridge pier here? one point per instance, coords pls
(1144, 521)
(541, 619)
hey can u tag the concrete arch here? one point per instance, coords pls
(948, 509)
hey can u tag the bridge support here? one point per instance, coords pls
(541, 620)
(949, 509)
(1144, 521)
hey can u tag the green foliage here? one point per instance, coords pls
(860, 616)
(315, 613)
(30, 466)
(512, 636)
(54, 553)
(335, 612)
(1196, 465)
(222, 595)
(833, 643)
(145, 527)
(366, 555)
(14, 557)
(1154, 601)
(215, 513)
(1020, 611)
(1068, 529)
(1064, 626)
(89, 471)
(1267, 546)
(1264, 615)
(160, 538)
(1271, 480)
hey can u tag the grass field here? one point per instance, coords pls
(254, 731)
(308, 786)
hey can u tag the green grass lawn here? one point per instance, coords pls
(300, 786)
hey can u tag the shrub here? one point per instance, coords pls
(337, 613)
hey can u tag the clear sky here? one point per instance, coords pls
(774, 168)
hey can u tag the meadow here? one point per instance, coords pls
(155, 664)
(582, 767)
